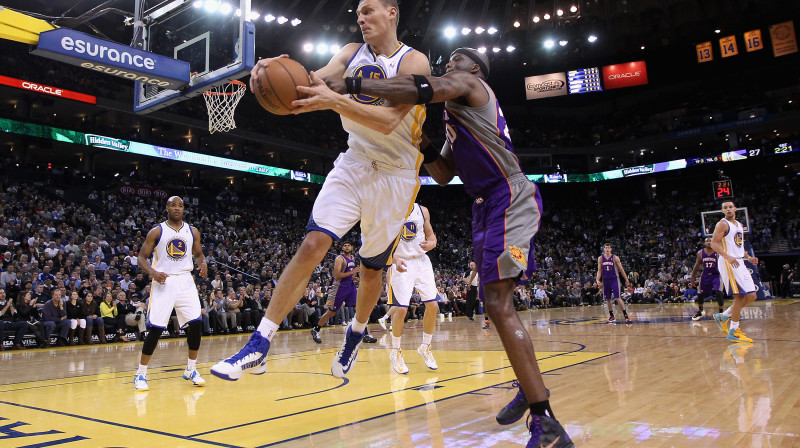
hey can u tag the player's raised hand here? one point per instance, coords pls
(260, 66)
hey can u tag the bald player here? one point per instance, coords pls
(173, 243)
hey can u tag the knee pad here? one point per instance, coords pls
(194, 332)
(151, 341)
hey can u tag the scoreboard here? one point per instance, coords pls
(584, 80)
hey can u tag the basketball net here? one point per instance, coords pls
(221, 102)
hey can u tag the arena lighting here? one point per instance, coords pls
(322, 48)
(465, 31)
(642, 47)
(516, 24)
(211, 5)
(282, 20)
(226, 8)
(479, 30)
(449, 32)
(238, 12)
(296, 21)
(547, 16)
(491, 30)
(334, 48)
(717, 31)
(253, 15)
(549, 43)
(496, 49)
(197, 4)
(171, 6)
(510, 48)
(563, 43)
(592, 38)
(269, 18)
(308, 47)
(560, 12)
(536, 19)
(481, 49)
(573, 9)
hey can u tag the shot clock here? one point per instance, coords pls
(723, 189)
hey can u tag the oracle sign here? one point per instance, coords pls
(627, 74)
(48, 90)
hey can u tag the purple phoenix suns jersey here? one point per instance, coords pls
(481, 166)
(609, 269)
(709, 265)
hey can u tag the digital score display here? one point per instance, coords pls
(784, 148)
(584, 80)
(723, 189)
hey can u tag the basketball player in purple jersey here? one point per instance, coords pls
(608, 269)
(709, 279)
(507, 207)
(343, 291)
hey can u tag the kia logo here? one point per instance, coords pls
(144, 192)
(160, 193)
(127, 190)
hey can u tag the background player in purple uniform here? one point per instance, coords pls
(709, 280)
(507, 208)
(608, 269)
(343, 290)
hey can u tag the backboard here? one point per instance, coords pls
(710, 219)
(215, 37)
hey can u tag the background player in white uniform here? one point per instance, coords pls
(411, 268)
(173, 287)
(728, 242)
(375, 182)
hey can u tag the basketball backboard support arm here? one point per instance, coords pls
(220, 46)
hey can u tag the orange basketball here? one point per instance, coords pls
(276, 88)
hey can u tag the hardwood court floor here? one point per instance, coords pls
(662, 381)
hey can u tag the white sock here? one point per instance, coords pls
(267, 328)
(728, 312)
(734, 325)
(191, 365)
(426, 338)
(142, 369)
(357, 326)
(396, 342)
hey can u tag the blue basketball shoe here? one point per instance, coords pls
(517, 408)
(252, 356)
(722, 322)
(346, 356)
(546, 432)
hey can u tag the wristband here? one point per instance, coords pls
(353, 84)
(429, 154)
(424, 89)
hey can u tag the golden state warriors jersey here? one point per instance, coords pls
(412, 234)
(173, 251)
(733, 242)
(400, 148)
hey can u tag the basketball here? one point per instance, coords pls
(276, 88)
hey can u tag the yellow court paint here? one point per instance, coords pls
(296, 398)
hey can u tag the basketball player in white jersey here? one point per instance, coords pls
(374, 181)
(411, 268)
(173, 287)
(728, 242)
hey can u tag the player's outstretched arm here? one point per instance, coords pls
(384, 119)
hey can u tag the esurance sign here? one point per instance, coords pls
(625, 75)
(47, 90)
(113, 59)
(545, 86)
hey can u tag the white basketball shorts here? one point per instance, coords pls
(419, 275)
(378, 195)
(178, 292)
(735, 280)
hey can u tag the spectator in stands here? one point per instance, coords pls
(77, 320)
(541, 296)
(54, 316)
(8, 322)
(232, 310)
(110, 315)
(91, 309)
(27, 312)
(219, 307)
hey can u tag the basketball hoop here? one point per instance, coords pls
(221, 102)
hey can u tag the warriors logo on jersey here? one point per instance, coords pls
(738, 239)
(409, 231)
(369, 71)
(176, 248)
